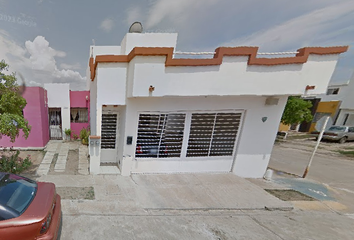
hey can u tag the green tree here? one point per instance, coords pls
(296, 111)
(11, 106)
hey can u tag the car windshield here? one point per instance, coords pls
(337, 129)
(16, 193)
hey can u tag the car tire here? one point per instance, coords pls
(342, 140)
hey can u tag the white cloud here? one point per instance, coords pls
(134, 15)
(107, 25)
(311, 28)
(36, 62)
(75, 66)
(177, 11)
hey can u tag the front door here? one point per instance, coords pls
(109, 136)
(55, 129)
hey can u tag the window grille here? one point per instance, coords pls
(160, 135)
(213, 134)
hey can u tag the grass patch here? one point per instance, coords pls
(289, 195)
(347, 153)
(302, 136)
(76, 192)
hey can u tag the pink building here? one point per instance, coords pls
(79, 111)
(49, 112)
(36, 113)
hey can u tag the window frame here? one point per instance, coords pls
(78, 109)
(187, 125)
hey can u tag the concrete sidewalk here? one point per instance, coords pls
(148, 194)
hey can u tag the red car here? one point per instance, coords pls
(28, 209)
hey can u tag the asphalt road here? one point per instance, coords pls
(335, 172)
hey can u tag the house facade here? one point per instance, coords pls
(67, 110)
(152, 112)
(36, 113)
(346, 112)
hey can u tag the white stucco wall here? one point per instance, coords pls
(132, 40)
(104, 50)
(342, 115)
(254, 145)
(233, 77)
(348, 100)
(93, 107)
(59, 97)
(111, 83)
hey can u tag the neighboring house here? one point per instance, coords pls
(153, 113)
(67, 109)
(337, 102)
(79, 111)
(346, 112)
(326, 104)
(36, 113)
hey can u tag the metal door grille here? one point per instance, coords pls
(55, 128)
(109, 131)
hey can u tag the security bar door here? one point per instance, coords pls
(109, 137)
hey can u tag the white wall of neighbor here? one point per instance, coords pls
(233, 77)
(59, 97)
(132, 40)
(342, 115)
(348, 100)
(254, 143)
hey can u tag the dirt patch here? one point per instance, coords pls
(76, 192)
(72, 164)
(220, 235)
(289, 195)
(36, 158)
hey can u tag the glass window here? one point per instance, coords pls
(79, 115)
(16, 193)
(336, 128)
(160, 135)
(213, 134)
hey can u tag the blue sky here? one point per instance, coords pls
(48, 40)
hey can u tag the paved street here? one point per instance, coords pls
(335, 172)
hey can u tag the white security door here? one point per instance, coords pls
(109, 137)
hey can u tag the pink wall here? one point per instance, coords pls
(78, 100)
(36, 113)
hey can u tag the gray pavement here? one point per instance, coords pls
(200, 206)
(115, 194)
(335, 173)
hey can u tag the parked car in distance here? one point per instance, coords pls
(28, 209)
(340, 134)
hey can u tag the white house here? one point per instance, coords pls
(154, 113)
(58, 108)
(346, 111)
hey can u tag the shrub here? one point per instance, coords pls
(84, 135)
(68, 132)
(75, 136)
(12, 163)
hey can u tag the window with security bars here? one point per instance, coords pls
(213, 134)
(79, 115)
(160, 135)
